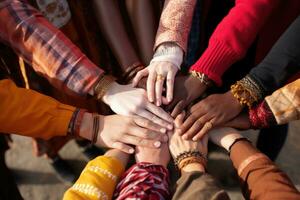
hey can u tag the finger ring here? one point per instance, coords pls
(209, 125)
(160, 77)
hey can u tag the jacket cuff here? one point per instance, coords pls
(215, 60)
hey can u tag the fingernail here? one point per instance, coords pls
(157, 103)
(157, 144)
(151, 99)
(131, 151)
(165, 138)
(194, 139)
(169, 99)
(170, 126)
(163, 130)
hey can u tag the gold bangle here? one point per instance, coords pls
(190, 160)
(102, 85)
(203, 78)
(246, 91)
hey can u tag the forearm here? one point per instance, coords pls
(175, 23)
(26, 112)
(260, 178)
(45, 48)
(233, 36)
(281, 63)
(111, 23)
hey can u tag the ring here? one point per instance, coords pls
(160, 77)
(209, 125)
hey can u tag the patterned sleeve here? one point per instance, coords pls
(44, 47)
(144, 181)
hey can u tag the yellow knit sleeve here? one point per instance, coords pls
(97, 180)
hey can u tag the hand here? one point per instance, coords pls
(187, 88)
(240, 122)
(128, 101)
(177, 145)
(158, 72)
(224, 137)
(215, 110)
(116, 131)
(159, 156)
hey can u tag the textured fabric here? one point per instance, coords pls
(97, 180)
(285, 103)
(261, 179)
(175, 22)
(26, 112)
(198, 186)
(260, 116)
(143, 181)
(233, 36)
(45, 48)
(281, 63)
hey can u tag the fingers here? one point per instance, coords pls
(152, 117)
(139, 76)
(196, 127)
(146, 134)
(145, 123)
(137, 141)
(170, 85)
(158, 90)
(178, 108)
(150, 86)
(123, 147)
(205, 129)
(159, 112)
(191, 119)
(179, 119)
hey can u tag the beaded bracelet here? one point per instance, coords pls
(246, 91)
(102, 85)
(203, 78)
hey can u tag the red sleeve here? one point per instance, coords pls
(233, 36)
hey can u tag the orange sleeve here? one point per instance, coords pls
(26, 112)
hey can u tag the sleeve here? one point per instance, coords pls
(281, 107)
(260, 178)
(175, 22)
(47, 49)
(144, 181)
(233, 36)
(281, 63)
(26, 112)
(97, 180)
(200, 186)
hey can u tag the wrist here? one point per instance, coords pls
(85, 130)
(102, 86)
(197, 86)
(119, 155)
(234, 101)
(110, 91)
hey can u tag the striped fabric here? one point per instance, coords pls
(45, 48)
(143, 181)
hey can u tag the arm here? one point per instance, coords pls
(46, 48)
(21, 108)
(260, 177)
(233, 36)
(279, 108)
(281, 63)
(99, 178)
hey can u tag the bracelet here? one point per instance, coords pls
(102, 85)
(96, 123)
(203, 78)
(237, 140)
(183, 163)
(187, 154)
(246, 91)
(75, 122)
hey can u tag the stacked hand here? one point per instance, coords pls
(213, 111)
(159, 73)
(128, 101)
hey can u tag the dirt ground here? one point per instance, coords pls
(37, 181)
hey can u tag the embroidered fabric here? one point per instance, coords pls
(261, 116)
